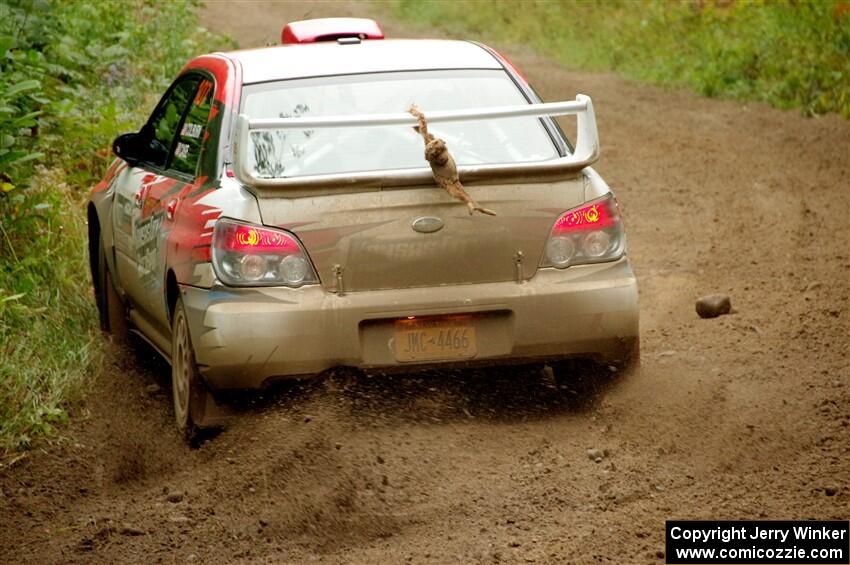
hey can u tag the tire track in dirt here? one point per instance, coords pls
(742, 416)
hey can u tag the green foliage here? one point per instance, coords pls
(789, 53)
(73, 75)
(48, 330)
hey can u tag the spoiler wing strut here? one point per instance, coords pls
(586, 150)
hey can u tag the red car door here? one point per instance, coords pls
(153, 190)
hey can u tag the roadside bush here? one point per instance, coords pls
(73, 75)
(788, 53)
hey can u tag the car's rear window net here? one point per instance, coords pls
(323, 151)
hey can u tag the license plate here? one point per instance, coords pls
(424, 340)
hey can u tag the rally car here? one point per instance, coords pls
(275, 217)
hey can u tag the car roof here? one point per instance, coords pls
(386, 55)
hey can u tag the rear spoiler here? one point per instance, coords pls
(586, 150)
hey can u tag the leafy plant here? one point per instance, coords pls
(73, 75)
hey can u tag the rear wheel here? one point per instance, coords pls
(579, 376)
(188, 389)
(630, 358)
(113, 317)
(586, 377)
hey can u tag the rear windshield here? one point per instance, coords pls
(290, 153)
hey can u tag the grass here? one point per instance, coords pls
(73, 75)
(788, 53)
(48, 326)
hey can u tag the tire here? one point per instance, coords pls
(580, 376)
(587, 377)
(190, 394)
(113, 317)
(629, 360)
(98, 282)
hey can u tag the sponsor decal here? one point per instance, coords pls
(192, 130)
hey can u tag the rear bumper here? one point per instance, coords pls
(246, 337)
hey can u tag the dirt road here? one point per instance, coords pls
(743, 416)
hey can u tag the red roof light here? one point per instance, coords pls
(330, 29)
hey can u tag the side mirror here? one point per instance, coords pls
(128, 147)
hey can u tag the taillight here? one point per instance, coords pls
(590, 234)
(249, 255)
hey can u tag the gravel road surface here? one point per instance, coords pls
(741, 416)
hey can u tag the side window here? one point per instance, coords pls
(166, 120)
(191, 138)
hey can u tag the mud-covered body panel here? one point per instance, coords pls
(371, 237)
(248, 337)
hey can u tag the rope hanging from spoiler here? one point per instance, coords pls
(443, 165)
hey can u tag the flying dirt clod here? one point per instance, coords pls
(443, 165)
